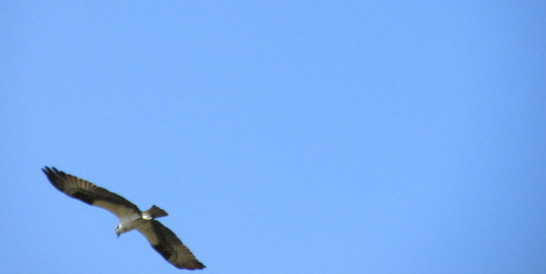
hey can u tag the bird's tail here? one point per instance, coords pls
(154, 212)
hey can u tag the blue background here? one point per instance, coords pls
(282, 137)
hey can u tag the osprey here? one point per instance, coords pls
(162, 239)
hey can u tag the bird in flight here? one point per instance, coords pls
(162, 239)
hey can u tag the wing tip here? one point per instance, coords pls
(200, 265)
(46, 169)
(53, 175)
(51, 171)
(195, 265)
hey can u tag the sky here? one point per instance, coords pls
(281, 137)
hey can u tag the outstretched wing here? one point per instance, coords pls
(164, 241)
(89, 193)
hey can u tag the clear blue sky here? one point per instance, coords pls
(282, 137)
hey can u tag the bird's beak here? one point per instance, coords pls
(118, 234)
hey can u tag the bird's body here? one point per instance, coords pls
(162, 239)
(133, 221)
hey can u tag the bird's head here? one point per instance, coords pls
(119, 230)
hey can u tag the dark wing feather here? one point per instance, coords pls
(164, 241)
(89, 192)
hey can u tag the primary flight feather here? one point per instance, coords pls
(162, 239)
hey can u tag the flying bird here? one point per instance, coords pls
(162, 239)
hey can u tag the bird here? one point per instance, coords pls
(162, 239)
